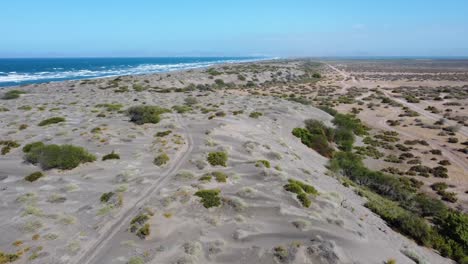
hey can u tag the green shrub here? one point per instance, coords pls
(255, 114)
(146, 114)
(34, 176)
(305, 201)
(63, 157)
(140, 219)
(12, 94)
(144, 231)
(8, 145)
(4, 109)
(182, 108)
(209, 198)
(350, 122)
(112, 155)
(219, 176)
(163, 133)
(105, 197)
(317, 142)
(206, 177)
(217, 158)
(50, 121)
(27, 148)
(191, 101)
(263, 163)
(161, 159)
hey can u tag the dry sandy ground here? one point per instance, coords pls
(256, 217)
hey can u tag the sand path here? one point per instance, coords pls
(91, 253)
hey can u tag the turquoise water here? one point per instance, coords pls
(27, 71)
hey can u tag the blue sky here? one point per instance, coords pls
(58, 28)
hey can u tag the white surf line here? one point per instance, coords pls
(90, 254)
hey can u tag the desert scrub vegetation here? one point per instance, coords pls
(34, 176)
(65, 157)
(7, 145)
(263, 164)
(209, 198)
(52, 120)
(181, 109)
(255, 114)
(144, 114)
(139, 224)
(111, 155)
(163, 133)
(12, 94)
(217, 158)
(397, 199)
(8, 257)
(302, 190)
(161, 159)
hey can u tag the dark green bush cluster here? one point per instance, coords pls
(34, 176)
(405, 210)
(8, 145)
(111, 155)
(105, 197)
(63, 157)
(255, 114)
(209, 198)
(139, 225)
(12, 94)
(217, 158)
(163, 133)
(316, 138)
(146, 114)
(52, 120)
(161, 160)
(301, 190)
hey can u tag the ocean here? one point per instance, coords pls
(41, 70)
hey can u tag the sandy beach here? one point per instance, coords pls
(88, 214)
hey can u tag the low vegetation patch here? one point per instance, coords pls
(217, 158)
(144, 114)
(263, 163)
(209, 198)
(255, 114)
(111, 155)
(12, 94)
(63, 157)
(161, 160)
(7, 145)
(302, 190)
(52, 120)
(163, 133)
(34, 176)
(139, 225)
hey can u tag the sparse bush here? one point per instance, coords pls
(112, 155)
(161, 159)
(144, 231)
(209, 198)
(263, 163)
(146, 114)
(105, 197)
(63, 157)
(163, 133)
(217, 158)
(34, 176)
(219, 176)
(191, 101)
(50, 121)
(8, 145)
(255, 114)
(12, 94)
(301, 190)
(181, 109)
